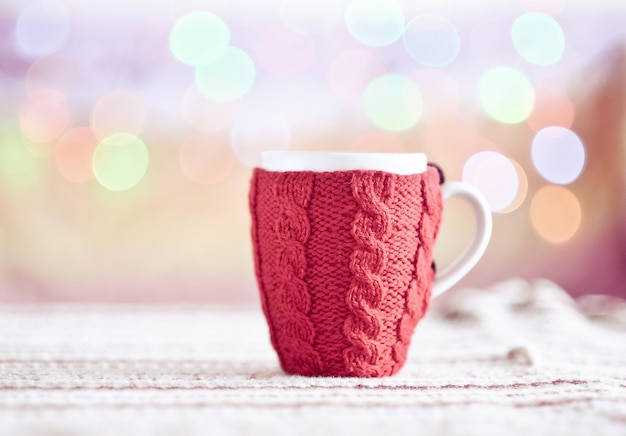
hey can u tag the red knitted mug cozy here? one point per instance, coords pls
(344, 266)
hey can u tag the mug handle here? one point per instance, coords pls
(445, 279)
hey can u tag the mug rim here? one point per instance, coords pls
(328, 161)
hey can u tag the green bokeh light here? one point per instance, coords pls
(19, 169)
(120, 161)
(198, 38)
(393, 102)
(375, 22)
(506, 95)
(538, 38)
(227, 79)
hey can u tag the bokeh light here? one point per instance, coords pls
(229, 78)
(152, 39)
(506, 95)
(393, 102)
(199, 38)
(451, 140)
(207, 159)
(255, 132)
(456, 80)
(522, 190)
(489, 42)
(207, 115)
(432, 40)
(311, 17)
(555, 213)
(351, 72)
(280, 50)
(375, 22)
(43, 28)
(552, 7)
(495, 176)
(553, 107)
(120, 161)
(44, 115)
(18, 168)
(377, 141)
(558, 154)
(55, 71)
(441, 93)
(73, 154)
(538, 38)
(118, 112)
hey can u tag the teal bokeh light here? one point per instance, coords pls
(198, 38)
(538, 38)
(227, 79)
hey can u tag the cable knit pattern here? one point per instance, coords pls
(293, 330)
(343, 262)
(368, 262)
(418, 294)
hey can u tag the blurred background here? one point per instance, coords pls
(129, 128)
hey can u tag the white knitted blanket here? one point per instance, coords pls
(513, 359)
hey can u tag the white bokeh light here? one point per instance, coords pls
(432, 40)
(558, 154)
(495, 176)
(43, 28)
(375, 22)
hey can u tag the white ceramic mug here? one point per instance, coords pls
(403, 164)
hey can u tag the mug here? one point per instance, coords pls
(343, 255)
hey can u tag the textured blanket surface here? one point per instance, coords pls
(517, 358)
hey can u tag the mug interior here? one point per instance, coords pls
(316, 161)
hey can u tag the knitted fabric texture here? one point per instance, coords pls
(344, 265)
